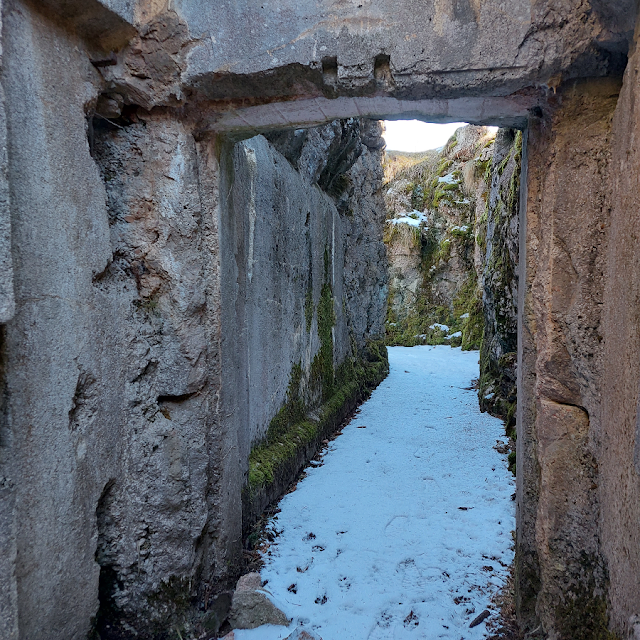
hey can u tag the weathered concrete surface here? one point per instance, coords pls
(310, 298)
(619, 442)
(407, 49)
(562, 572)
(277, 230)
(59, 241)
(506, 112)
(345, 159)
(8, 550)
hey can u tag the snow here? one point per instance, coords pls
(448, 179)
(404, 532)
(437, 325)
(413, 218)
(457, 334)
(464, 316)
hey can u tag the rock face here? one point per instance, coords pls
(436, 210)
(500, 256)
(452, 239)
(383, 54)
(563, 572)
(619, 439)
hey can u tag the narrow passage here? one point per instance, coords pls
(404, 529)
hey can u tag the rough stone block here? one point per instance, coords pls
(251, 609)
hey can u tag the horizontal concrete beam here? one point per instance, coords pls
(509, 111)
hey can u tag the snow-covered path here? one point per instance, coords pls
(405, 529)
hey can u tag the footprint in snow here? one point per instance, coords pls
(344, 583)
(304, 567)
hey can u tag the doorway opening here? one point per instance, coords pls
(341, 244)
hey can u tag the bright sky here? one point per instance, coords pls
(413, 135)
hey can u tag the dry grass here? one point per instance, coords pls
(410, 165)
(506, 627)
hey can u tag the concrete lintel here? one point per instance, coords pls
(504, 111)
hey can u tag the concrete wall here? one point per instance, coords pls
(277, 228)
(560, 560)
(619, 441)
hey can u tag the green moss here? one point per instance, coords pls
(443, 252)
(462, 233)
(456, 341)
(402, 232)
(286, 431)
(149, 305)
(444, 191)
(292, 429)
(582, 613)
(308, 306)
(512, 462)
(481, 225)
(443, 166)
(417, 197)
(453, 141)
(469, 301)
(322, 371)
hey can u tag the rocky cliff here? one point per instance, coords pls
(452, 240)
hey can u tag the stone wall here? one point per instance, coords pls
(499, 259)
(311, 297)
(53, 468)
(124, 447)
(562, 571)
(135, 345)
